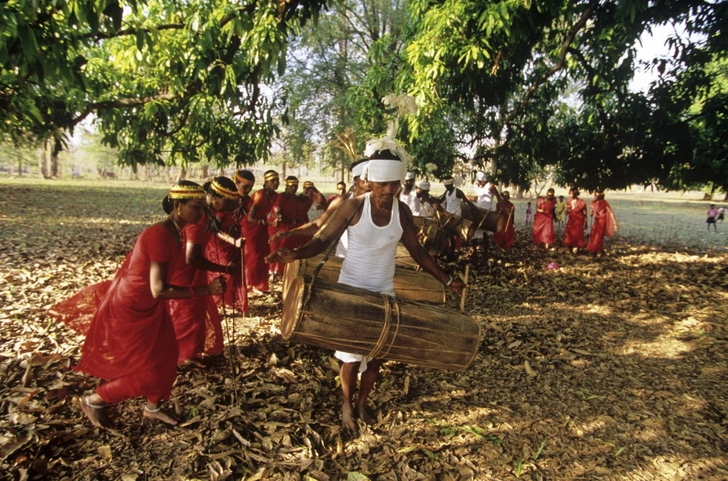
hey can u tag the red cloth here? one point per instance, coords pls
(574, 231)
(131, 339)
(256, 248)
(507, 237)
(264, 204)
(220, 252)
(290, 211)
(543, 222)
(603, 226)
(196, 320)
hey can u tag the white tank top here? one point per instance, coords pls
(412, 201)
(485, 197)
(452, 203)
(369, 261)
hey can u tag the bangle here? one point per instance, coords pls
(192, 291)
(449, 281)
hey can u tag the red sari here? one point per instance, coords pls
(602, 227)
(220, 252)
(290, 211)
(131, 339)
(507, 237)
(543, 222)
(196, 320)
(574, 231)
(255, 249)
(264, 204)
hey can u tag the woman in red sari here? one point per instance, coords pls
(289, 212)
(262, 205)
(256, 236)
(576, 223)
(507, 236)
(604, 224)
(543, 221)
(214, 242)
(131, 339)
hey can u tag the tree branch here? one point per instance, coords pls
(560, 63)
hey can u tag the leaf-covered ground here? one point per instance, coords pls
(610, 368)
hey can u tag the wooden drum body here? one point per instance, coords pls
(340, 317)
(408, 284)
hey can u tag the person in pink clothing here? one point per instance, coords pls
(712, 215)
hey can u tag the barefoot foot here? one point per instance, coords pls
(96, 413)
(364, 415)
(159, 415)
(347, 418)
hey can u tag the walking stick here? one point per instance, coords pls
(465, 288)
(227, 328)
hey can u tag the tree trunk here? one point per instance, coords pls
(205, 172)
(182, 174)
(20, 164)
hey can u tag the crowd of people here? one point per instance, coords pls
(225, 241)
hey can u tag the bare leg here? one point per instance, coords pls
(348, 374)
(94, 407)
(368, 378)
(153, 411)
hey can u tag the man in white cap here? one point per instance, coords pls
(375, 223)
(429, 204)
(452, 198)
(484, 190)
(408, 195)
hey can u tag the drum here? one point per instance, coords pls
(340, 317)
(408, 284)
(491, 221)
(428, 227)
(402, 258)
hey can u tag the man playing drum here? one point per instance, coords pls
(375, 223)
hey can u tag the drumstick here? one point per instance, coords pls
(465, 288)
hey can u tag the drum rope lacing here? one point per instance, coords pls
(389, 303)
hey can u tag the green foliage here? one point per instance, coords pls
(508, 65)
(164, 83)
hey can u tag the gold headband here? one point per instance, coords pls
(307, 184)
(291, 182)
(270, 176)
(222, 191)
(243, 180)
(185, 192)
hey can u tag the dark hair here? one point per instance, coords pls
(291, 177)
(225, 182)
(385, 154)
(168, 205)
(341, 183)
(354, 164)
(246, 174)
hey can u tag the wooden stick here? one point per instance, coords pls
(465, 288)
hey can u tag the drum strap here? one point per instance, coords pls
(390, 304)
(333, 245)
(326, 257)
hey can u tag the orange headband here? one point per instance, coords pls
(222, 191)
(243, 180)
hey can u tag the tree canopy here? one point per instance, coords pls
(515, 85)
(165, 81)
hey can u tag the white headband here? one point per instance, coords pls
(380, 170)
(424, 185)
(480, 176)
(359, 169)
(448, 182)
(409, 176)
